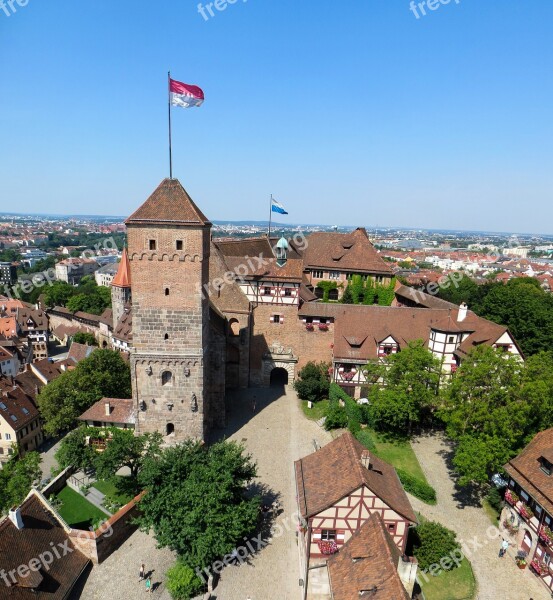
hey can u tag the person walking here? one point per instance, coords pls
(504, 548)
(149, 585)
(142, 572)
(254, 402)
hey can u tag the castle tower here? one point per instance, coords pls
(121, 288)
(169, 243)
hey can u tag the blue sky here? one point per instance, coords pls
(349, 112)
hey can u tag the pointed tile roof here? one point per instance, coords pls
(170, 203)
(123, 277)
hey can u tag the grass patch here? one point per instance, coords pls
(458, 584)
(116, 488)
(317, 412)
(77, 511)
(398, 453)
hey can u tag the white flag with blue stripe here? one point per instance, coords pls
(277, 207)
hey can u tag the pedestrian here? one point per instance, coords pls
(142, 572)
(503, 549)
(149, 585)
(253, 404)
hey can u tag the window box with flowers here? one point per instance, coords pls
(323, 327)
(511, 497)
(328, 548)
(539, 567)
(309, 327)
(348, 376)
(526, 512)
(546, 535)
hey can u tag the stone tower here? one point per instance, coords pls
(121, 288)
(169, 244)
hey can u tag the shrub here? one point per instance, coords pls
(182, 582)
(364, 436)
(336, 417)
(431, 543)
(312, 382)
(494, 499)
(418, 488)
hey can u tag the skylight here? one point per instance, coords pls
(13, 418)
(3, 406)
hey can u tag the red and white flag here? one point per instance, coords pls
(185, 95)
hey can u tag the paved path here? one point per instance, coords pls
(498, 579)
(276, 435)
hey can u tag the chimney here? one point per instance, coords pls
(366, 460)
(15, 517)
(463, 310)
(63, 368)
(108, 409)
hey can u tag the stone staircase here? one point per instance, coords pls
(97, 498)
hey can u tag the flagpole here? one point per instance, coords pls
(170, 143)
(270, 215)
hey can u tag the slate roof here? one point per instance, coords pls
(122, 411)
(525, 469)
(351, 252)
(368, 562)
(41, 531)
(338, 465)
(170, 204)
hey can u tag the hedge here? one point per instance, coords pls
(418, 488)
(355, 413)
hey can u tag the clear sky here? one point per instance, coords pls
(348, 111)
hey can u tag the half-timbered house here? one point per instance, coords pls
(338, 488)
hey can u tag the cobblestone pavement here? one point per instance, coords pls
(498, 579)
(276, 435)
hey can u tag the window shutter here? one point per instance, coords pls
(282, 318)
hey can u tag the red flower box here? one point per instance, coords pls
(323, 327)
(511, 497)
(328, 548)
(309, 326)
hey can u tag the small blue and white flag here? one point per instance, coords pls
(277, 207)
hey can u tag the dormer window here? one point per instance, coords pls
(546, 466)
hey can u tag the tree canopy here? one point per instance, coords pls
(103, 374)
(87, 296)
(408, 390)
(197, 501)
(313, 381)
(17, 476)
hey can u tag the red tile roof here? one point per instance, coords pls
(123, 276)
(170, 203)
(525, 469)
(121, 411)
(338, 465)
(41, 532)
(16, 408)
(367, 563)
(349, 252)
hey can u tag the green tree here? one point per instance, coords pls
(406, 388)
(313, 381)
(182, 582)
(125, 449)
(103, 374)
(432, 542)
(484, 411)
(197, 500)
(58, 293)
(85, 338)
(74, 450)
(347, 298)
(17, 477)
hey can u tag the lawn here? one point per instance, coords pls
(399, 454)
(317, 412)
(458, 584)
(490, 511)
(115, 489)
(77, 511)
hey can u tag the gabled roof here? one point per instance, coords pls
(123, 329)
(338, 465)
(170, 204)
(41, 532)
(525, 469)
(78, 352)
(16, 408)
(368, 562)
(123, 276)
(121, 411)
(350, 252)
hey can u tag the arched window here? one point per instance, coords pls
(170, 429)
(166, 336)
(166, 291)
(166, 378)
(234, 327)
